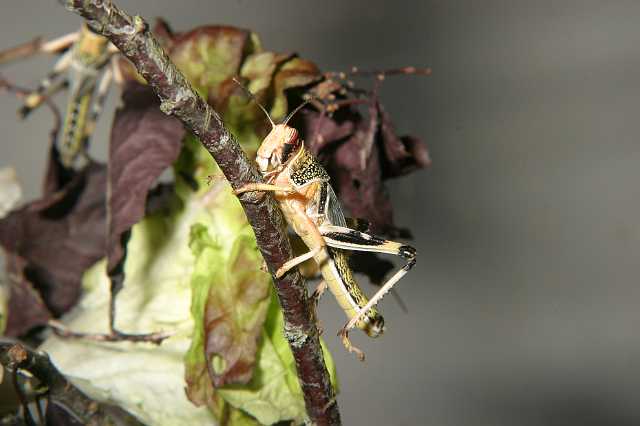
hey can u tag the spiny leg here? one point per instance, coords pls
(382, 292)
(349, 239)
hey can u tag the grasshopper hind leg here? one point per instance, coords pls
(349, 239)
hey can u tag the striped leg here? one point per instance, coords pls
(47, 88)
(349, 239)
(101, 97)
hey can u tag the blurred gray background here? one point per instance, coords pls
(524, 302)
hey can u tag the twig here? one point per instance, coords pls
(132, 36)
(115, 336)
(61, 392)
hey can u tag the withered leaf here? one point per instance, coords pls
(210, 55)
(360, 153)
(56, 238)
(27, 308)
(144, 142)
(402, 154)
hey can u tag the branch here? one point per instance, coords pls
(61, 392)
(132, 36)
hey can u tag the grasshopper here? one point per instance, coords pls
(310, 206)
(86, 55)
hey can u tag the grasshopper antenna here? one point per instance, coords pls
(298, 108)
(253, 98)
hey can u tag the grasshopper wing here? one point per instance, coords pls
(333, 210)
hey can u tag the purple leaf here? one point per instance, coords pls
(50, 242)
(144, 142)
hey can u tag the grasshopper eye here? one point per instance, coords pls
(290, 148)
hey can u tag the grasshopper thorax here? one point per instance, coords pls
(280, 145)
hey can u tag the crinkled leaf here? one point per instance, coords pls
(402, 154)
(274, 394)
(210, 55)
(58, 237)
(26, 309)
(360, 153)
(323, 130)
(230, 297)
(295, 72)
(144, 142)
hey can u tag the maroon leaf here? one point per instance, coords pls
(144, 142)
(325, 130)
(27, 307)
(360, 154)
(402, 154)
(50, 243)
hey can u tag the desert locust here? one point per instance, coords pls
(301, 187)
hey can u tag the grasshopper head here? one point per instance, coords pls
(280, 145)
(282, 142)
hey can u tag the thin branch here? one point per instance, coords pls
(132, 36)
(14, 357)
(115, 336)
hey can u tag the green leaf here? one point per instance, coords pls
(296, 72)
(274, 394)
(230, 299)
(210, 55)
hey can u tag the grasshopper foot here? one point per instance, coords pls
(344, 335)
